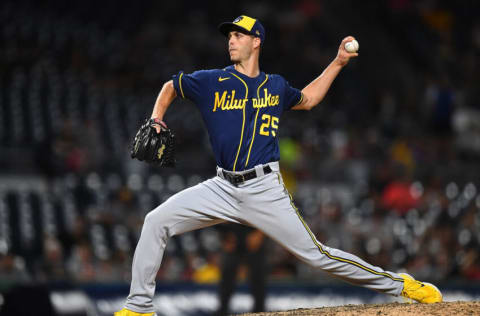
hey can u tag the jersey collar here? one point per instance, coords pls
(231, 68)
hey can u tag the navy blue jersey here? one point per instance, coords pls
(242, 114)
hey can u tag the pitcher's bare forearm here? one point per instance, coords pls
(316, 90)
(164, 99)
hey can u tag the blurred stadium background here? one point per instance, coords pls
(386, 168)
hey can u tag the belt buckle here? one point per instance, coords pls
(238, 178)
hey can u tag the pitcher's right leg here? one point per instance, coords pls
(193, 208)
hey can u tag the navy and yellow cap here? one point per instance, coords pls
(244, 24)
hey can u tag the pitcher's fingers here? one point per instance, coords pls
(348, 39)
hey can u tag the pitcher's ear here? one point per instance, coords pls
(257, 41)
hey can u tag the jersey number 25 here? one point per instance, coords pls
(270, 124)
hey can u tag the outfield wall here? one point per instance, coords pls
(185, 299)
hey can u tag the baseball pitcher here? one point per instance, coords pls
(241, 107)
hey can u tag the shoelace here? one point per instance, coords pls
(413, 286)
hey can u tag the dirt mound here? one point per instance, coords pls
(397, 309)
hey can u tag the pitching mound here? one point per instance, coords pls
(393, 309)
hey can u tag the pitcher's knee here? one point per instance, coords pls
(149, 219)
(156, 220)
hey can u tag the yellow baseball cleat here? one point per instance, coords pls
(126, 312)
(421, 292)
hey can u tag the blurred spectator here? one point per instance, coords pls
(81, 265)
(242, 247)
(209, 272)
(52, 265)
(470, 265)
(64, 153)
(400, 195)
(12, 270)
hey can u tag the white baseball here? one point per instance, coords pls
(352, 46)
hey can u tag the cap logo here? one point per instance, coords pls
(245, 22)
(257, 32)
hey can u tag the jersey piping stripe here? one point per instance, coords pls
(301, 99)
(253, 137)
(243, 123)
(319, 246)
(255, 124)
(180, 84)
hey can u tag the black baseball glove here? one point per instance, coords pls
(153, 147)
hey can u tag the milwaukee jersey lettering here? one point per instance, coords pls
(242, 114)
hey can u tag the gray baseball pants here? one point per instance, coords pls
(263, 203)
